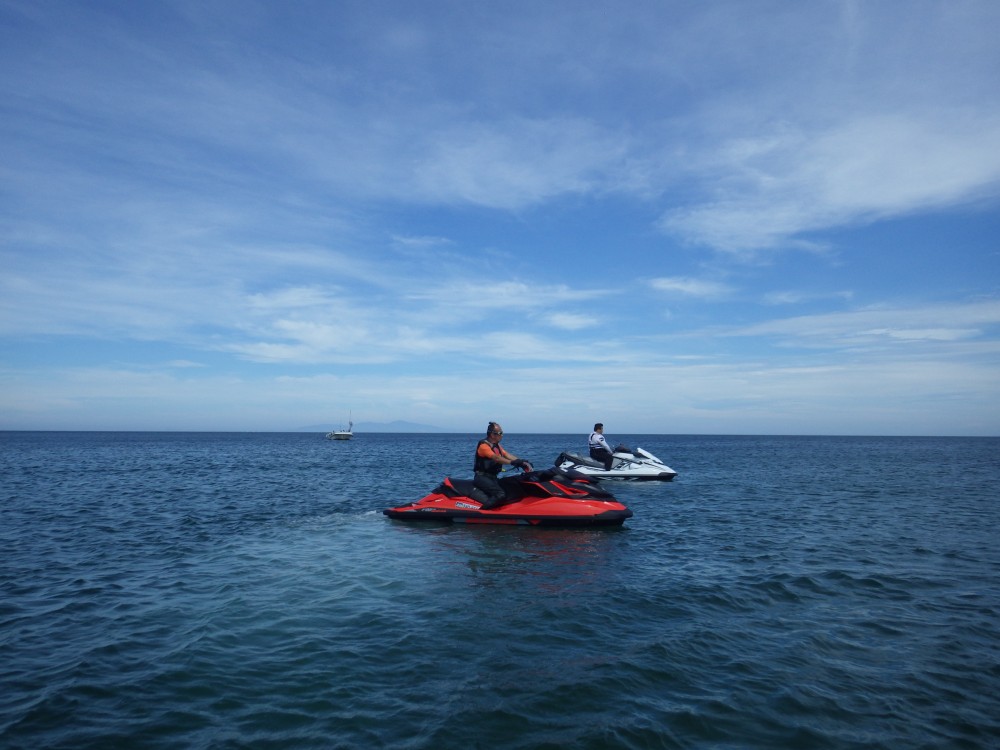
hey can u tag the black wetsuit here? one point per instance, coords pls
(487, 470)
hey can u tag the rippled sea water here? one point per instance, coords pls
(165, 590)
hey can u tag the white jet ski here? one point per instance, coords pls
(627, 464)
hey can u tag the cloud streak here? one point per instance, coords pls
(775, 191)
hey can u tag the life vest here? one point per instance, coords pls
(488, 465)
(592, 443)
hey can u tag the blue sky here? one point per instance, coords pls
(672, 217)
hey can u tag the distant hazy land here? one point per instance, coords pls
(396, 426)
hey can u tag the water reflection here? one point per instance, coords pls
(553, 559)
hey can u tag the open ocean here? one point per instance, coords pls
(243, 590)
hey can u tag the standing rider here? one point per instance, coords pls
(599, 450)
(490, 460)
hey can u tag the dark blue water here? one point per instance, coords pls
(163, 590)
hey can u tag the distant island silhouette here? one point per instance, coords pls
(394, 426)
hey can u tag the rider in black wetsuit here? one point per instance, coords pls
(489, 461)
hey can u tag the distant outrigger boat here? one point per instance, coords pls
(342, 434)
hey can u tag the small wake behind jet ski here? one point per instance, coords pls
(547, 497)
(627, 464)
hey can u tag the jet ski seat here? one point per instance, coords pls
(577, 459)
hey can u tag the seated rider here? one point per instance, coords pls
(490, 460)
(599, 450)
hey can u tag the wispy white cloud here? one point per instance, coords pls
(690, 287)
(877, 395)
(929, 323)
(775, 191)
(571, 321)
(516, 163)
(421, 242)
(482, 299)
(789, 297)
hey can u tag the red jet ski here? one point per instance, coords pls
(549, 497)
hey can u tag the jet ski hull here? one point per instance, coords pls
(540, 498)
(628, 465)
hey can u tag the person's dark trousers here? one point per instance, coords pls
(489, 484)
(600, 454)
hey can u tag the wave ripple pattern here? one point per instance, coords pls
(165, 590)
